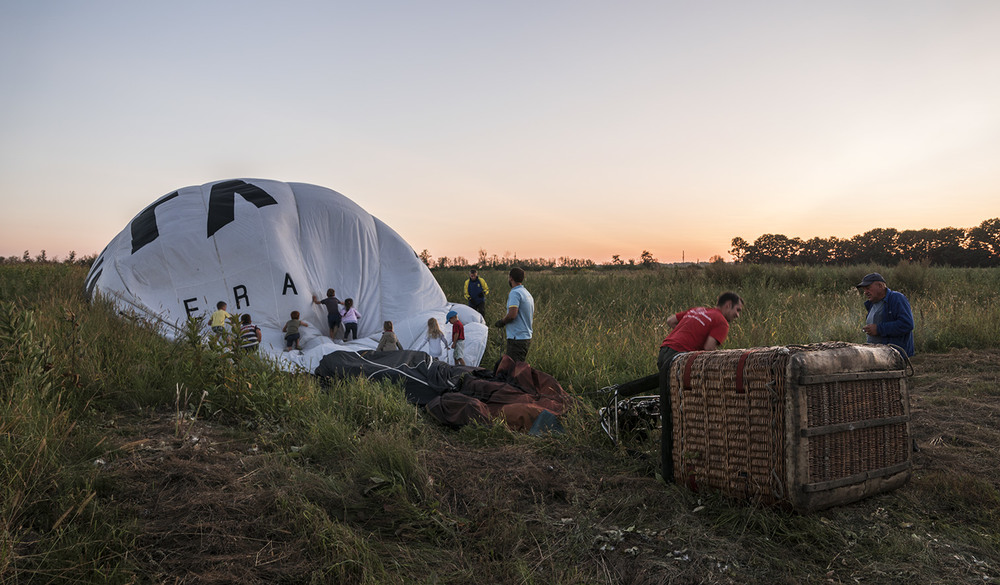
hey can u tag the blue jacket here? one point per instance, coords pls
(896, 326)
(476, 291)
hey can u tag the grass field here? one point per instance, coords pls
(125, 458)
(596, 328)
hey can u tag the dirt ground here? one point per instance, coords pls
(206, 514)
(955, 404)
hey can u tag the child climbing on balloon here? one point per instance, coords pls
(389, 341)
(219, 318)
(249, 333)
(291, 331)
(435, 341)
(332, 304)
(349, 318)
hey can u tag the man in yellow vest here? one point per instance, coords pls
(476, 291)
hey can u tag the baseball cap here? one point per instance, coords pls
(450, 315)
(870, 278)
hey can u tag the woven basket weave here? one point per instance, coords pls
(804, 426)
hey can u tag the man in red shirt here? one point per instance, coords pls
(698, 328)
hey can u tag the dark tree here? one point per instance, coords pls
(984, 243)
(739, 250)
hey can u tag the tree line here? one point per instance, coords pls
(971, 247)
(43, 258)
(487, 261)
(960, 247)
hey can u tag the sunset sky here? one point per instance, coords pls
(536, 129)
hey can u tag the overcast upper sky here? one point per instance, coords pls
(538, 129)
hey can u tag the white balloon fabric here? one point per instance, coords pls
(265, 248)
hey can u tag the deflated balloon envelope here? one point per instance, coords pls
(265, 248)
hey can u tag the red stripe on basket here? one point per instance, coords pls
(687, 369)
(739, 373)
(692, 480)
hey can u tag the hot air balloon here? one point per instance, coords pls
(265, 248)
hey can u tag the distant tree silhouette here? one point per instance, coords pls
(949, 247)
(646, 259)
(739, 250)
(771, 249)
(984, 243)
(879, 246)
(915, 245)
(43, 258)
(817, 251)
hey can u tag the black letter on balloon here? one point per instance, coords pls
(190, 310)
(95, 274)
(223, 199)
(144, 225)
(288, 285)
(240, 292)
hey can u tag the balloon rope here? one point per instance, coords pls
(385, 367)
(149, 314)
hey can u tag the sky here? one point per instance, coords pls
(535, 129)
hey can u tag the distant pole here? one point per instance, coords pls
(682, 256)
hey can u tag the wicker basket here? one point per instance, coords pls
(804, 426)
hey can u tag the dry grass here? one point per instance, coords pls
(214, 508)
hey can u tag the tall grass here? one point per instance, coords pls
(69, 369)
(49, 516)
(594, 328)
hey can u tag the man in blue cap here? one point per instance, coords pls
(890, 319)
(457, 337)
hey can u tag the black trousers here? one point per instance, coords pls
(517, 349)
(663, 362)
